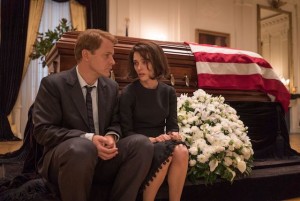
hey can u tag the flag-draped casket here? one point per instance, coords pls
(236, 74)
(248, 84)
(225, 68)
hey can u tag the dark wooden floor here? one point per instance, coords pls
(14, 145)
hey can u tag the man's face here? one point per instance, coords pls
(101, 61)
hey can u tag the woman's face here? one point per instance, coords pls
(143, 67)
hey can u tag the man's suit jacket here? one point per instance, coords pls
(60, 111)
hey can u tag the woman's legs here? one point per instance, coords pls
(177, 172)
(151, 190)
(176, 169)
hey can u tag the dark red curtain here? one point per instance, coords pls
(14, 22)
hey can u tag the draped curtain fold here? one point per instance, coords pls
(52, 13)
(35, 15)
(14, 23)
(78, 15)
(84, 13)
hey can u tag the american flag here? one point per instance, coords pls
(226, 68)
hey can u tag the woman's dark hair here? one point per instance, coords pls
(153, 53)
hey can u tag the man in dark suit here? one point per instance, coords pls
(81, 148)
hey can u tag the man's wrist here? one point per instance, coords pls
(88, 136)
(114, 135)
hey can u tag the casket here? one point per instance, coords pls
(275, 161)
(183, 75)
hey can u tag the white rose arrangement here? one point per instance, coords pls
(218, 143)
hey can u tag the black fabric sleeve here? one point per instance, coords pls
(171, 121)
(127, 102)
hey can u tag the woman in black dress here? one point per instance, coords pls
(149, 107)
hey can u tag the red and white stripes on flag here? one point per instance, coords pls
(226, 68)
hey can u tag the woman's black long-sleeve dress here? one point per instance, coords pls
(150, 112)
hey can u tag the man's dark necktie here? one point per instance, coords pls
(89, 107)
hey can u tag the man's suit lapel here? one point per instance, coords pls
(77, 96)
(102, 98)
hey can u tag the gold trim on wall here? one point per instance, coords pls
(212, 38)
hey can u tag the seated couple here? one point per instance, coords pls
(93, 135)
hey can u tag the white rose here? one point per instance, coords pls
(202, 158)
(204, 115)
(219, 149)
(231, 110)
(193, 151)
(210, 127)
(199, 93)
(201, 143)
(195, 129)
(246, 153)
(186, 130)
(237, 143)
(216, 129)
(192, 162)
(198, 135)
(210, 139)
(231, 147)
(229, 153)
(192, 119)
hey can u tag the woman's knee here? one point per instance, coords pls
(180, 153)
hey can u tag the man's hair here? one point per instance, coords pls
(154, 54)
(91, 40)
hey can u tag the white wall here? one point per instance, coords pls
(177, 20)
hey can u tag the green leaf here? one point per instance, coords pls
(45, 41)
